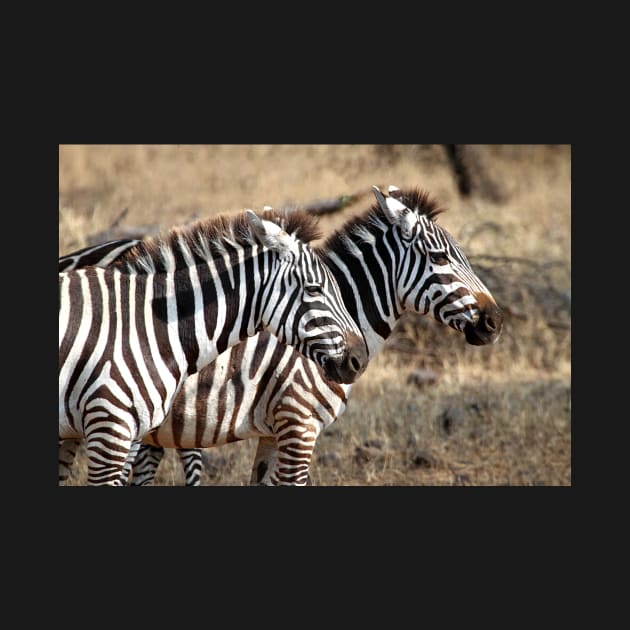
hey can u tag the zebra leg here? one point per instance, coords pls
(67, 452)
(128, 467)
(107, 452)
(191, 461)
(295, 444)
(145, 464)
(264, 460)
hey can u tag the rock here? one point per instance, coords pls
(451, 419)
(422, 459)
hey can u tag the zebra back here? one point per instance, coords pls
(100, 255)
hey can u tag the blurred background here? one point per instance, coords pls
(429, 410)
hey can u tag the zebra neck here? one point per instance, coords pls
(215, 309)
(367, 281)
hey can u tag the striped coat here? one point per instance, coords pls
(131, 333)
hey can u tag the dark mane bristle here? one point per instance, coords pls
(421, 201)
(414, 198)
(303, 225)
(212, 234)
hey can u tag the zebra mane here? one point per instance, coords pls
(414, 198)
(209, 238)
(422, 202)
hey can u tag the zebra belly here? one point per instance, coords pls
(211, 412)
(252, 390)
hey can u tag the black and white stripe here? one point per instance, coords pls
(392, 258)
(131, 333)
(101, 255)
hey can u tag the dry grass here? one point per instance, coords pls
(496, 415)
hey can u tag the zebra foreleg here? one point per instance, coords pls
(264, 461)
(292, 458)
(264, 468)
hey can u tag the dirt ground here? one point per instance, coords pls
(498, 415)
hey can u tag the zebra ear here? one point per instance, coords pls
(396, 212)
(271, 235)
(256, 224)
(381, 199)
(394, 191)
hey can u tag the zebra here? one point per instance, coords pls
(132, 332)
(392, 258)
(101, 255)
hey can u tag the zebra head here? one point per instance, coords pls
(434, 275)
(302, 304)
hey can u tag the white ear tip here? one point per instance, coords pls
(266, 208)
(376, 189)
(395, 205)
(395, 192)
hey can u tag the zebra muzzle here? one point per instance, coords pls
(351, 364)
(488, 326)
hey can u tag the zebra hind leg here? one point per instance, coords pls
(128, 467)
(145, 464)
(192, 463)
(106, 455)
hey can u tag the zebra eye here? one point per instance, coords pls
(438, 258)
(314, 290)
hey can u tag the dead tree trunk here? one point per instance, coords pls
(471, 170)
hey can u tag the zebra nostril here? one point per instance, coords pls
(490, 324)
(355, 364)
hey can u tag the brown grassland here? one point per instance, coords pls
(498, 415)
